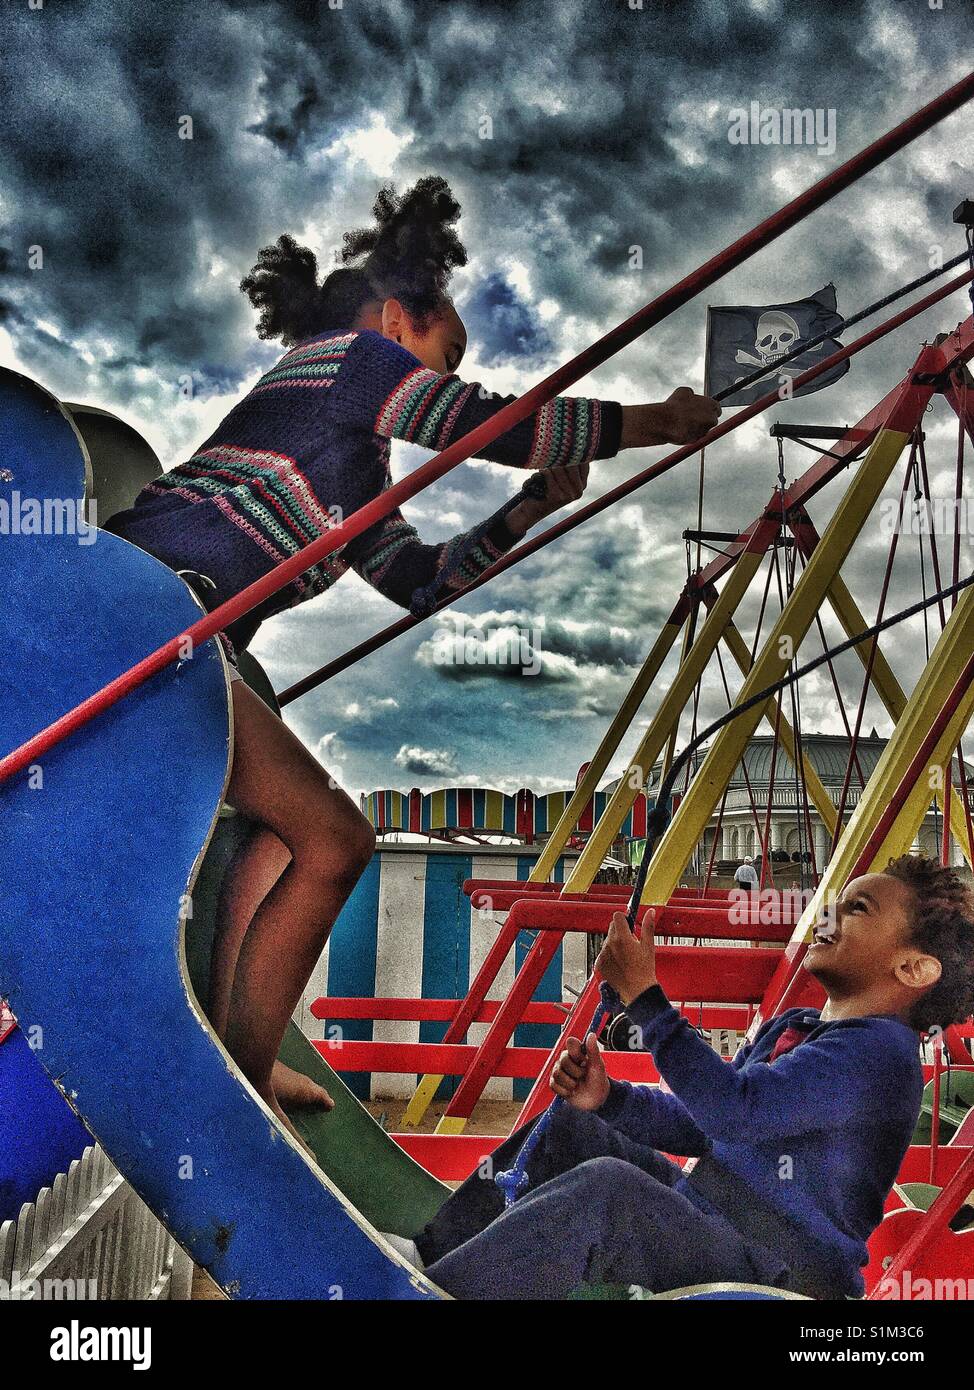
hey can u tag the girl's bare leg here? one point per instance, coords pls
(252, 873)
(277, 782)
(256, 867)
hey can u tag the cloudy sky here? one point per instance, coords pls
(608, 128)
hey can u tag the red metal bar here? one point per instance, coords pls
(578, 1022)
(954, 1038)
(449, 1157)
(487, 887)
(611, 890)
(927, 1069)
(701, 922)
(500, 900)
(427, 1010)
(916, 1164)
(933, 1227)
(528, 978)
(453, 1157)
(622, 490)
(446, 1059)
(538, 1011)
(455, 1059)
(500, 948)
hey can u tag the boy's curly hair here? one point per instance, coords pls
(943, 926)
(409, 254)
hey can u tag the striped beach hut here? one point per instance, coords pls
(408, 931)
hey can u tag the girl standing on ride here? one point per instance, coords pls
(373, 353)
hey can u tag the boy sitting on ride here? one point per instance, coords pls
(798, 1140)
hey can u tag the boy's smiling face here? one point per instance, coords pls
(865, 943)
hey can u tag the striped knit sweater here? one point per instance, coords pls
(310, 444)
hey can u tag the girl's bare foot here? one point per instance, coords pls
(275, 1105)
(293, 1088)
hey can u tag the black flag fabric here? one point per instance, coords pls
(743, 338)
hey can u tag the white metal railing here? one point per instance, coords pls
(89, 1236)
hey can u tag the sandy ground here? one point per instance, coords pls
(490, 1117)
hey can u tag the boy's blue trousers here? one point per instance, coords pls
(597, 1208)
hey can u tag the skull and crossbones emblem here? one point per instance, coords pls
(775, 336)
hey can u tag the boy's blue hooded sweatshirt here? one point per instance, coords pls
(819, 1133)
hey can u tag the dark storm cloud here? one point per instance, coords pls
(502, 325)
(494, 643)
(426, 762)
(607, 130)
(586, 103)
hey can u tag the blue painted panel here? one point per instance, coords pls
(98, 848)
(351, 965)
(40, 1135)
(446, 941)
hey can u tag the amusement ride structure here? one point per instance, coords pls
(115, 765)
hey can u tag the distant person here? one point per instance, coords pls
(746, 876)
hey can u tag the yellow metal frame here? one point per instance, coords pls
(889, 690)
(939, 675)
(772, 662)
(666, 717)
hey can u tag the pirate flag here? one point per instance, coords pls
(742, 339)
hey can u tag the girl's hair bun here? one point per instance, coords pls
(283, 285)
(408, 254)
